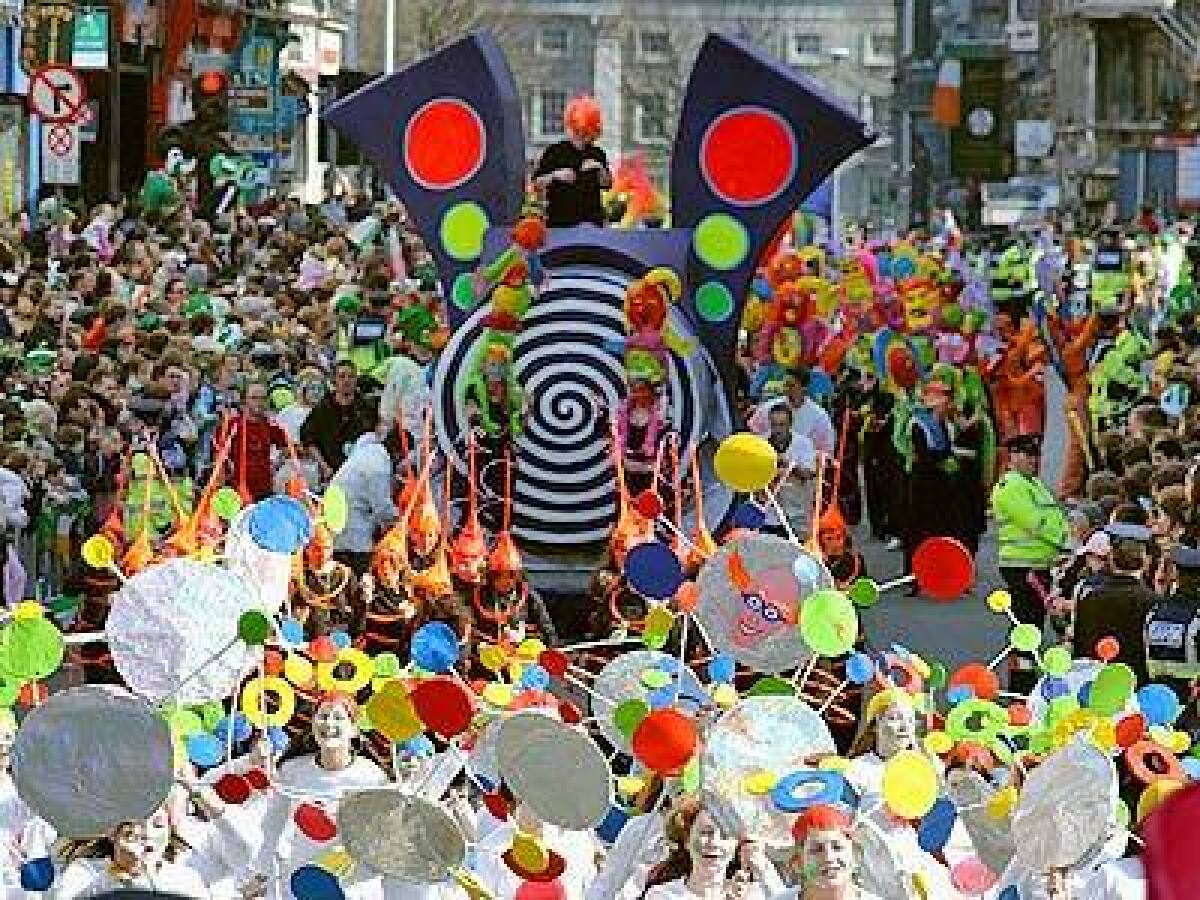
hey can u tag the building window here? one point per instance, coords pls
(805, 48)
(879, 49)
(549, 106)
(554, 40)
(654, 45)
(650, 120)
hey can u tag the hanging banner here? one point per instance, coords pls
(977, 149)
(90, 49)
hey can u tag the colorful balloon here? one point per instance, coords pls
(944, 568)
(910, 784)
(746, 462)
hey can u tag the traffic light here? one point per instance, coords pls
(210, 101)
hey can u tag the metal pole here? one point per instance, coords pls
(114, 104)
(390, 37)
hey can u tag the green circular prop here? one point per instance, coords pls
(828, 623)
(462, 230)
(721, 242)
(714, 302)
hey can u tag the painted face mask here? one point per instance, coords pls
(769, 602)
(786, 347)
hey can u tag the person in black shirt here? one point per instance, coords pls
(338, 420)
(574, 172)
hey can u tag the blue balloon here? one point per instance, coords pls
(1159, 704)
(292, 632)
(340, 639)
(748, 515)
(959, 693)
(614, 820)
(417, 746)
(1009, 893)
(434, 647)
(1084, 694)
(37, 874)
(653, 570)
(279, 739)
(615, 346)
(205, 750)
(280, 524)
(820, 385)
(1054, 687)
(535, 678)
(860, 668)
(933, 833)
(314, 883)
(721, 668)
(661, 698)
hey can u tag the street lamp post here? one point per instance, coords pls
(389, 38)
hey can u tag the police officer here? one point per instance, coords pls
(1033, 532)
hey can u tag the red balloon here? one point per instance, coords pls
(1170, 857)
(541, 890)
(569, 713)
(233, 789)
(555, 662)
(944, 568)
(983, 682)
(648, 504)
(496, 805)
(1130, 730)
(443, 705)
(664, 741)
(902, 367)
(322, 649)
(314, 823)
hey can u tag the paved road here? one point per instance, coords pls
(954, 634)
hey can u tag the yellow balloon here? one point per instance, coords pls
(392, 713)
(938, 742)
(498, 694)
(1180, 742)
(999, 601)
(298, 670)
(746, 462)
(725, 695)
(659, 620)
(98, 552)
(491, 657)
(1001, 805)
(1155, 794)
(910, 784)
(362, 670)
(760, 783)
(528, 853)
(530, 649)
(630, 785)
(337, 863)
(28, 612)
(252, 702)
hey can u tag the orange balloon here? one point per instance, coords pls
(688, 597)
(1108, 648)
(665, 741)
(979, 678)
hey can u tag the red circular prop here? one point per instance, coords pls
(649, 504)
(664, 741)
(569, 713)
(983, 682)
(314, 823)
(1171, 861)
(1108, 649)
(443, 705)
(944, 568)
(1130, 730)
(233, 789)
(258, 779)
(444, 144)
(555, 662)
(748, 155)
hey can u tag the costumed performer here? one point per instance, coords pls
(825, 845)
(896, 861)
(23, 834)
(574, 171)
(366, 479)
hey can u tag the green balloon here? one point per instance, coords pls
(655, 679)
(30, 649)
(363, 722)
(254, 627)
(771, 686)
(628, 716)
(938, 675)
(1026, 638)
(10, 690)
(227, 503)
(333, 508)
(211, 714)
(689, 779)
(1111, 690)
(184, 723)
(828, 623)
(864, 593)
(387, 665)
(655, 640)
(1056, 661)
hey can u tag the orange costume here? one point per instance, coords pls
(1074, 342)
(1017, 389)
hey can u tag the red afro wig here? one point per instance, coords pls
(822, 817)
(583, 117)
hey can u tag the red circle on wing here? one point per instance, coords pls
(444, 144)
(748, 155)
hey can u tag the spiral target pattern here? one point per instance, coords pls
(564, 488)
